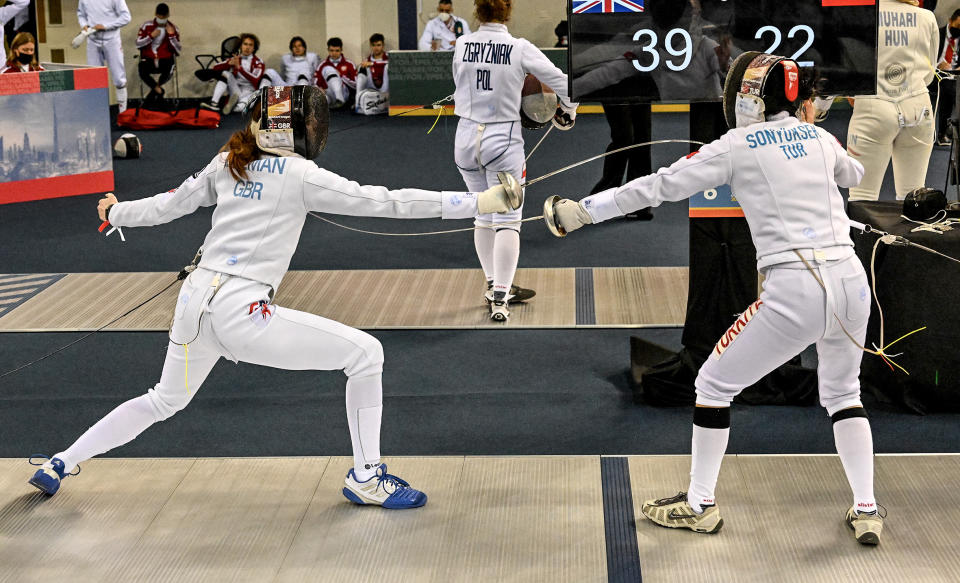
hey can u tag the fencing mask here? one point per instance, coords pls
(127, 146)
(750, 85)
(538, 104)
(293, 121)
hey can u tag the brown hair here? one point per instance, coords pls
(21, 39)
(242, 147)
(493, 10)
(249, 35)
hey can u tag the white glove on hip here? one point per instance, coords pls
(570, 215)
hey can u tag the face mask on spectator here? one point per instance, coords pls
(24, 58)
(161, 21)
(444, 16)
(954, 31)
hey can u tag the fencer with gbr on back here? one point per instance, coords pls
(785, 173)
(263, 185)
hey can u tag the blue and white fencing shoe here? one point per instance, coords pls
(384, 490)
(47, 478)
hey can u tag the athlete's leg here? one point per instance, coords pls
(870, 136)
(175, 389)
(912, 147)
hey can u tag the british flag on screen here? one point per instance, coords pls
(606, 6)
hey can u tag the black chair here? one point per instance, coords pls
(228, 48)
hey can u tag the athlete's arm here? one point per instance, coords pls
(326, 192)
(197, 191)
(687, 176)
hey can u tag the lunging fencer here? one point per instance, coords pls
(263, 183)
(785, 173)
(489, 68)
(897, 124)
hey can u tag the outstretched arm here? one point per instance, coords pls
(197, 191)
(327, 192)
(707, 168)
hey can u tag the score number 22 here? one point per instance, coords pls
(687, 50)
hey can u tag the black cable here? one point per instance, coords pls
(89, 334)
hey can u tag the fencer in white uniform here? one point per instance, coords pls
(9, 11)
(263, 186)
(489, 67)
(103, 46)
(299, 65)
(785, 174)
(897, 123)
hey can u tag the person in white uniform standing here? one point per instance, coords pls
(443, 30)
(263, 184)
(106, 18)
(897, 123)
(489, 68)
(8, 12)
(785, 172)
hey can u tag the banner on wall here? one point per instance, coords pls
(54, 134)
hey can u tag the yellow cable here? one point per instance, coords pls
(440, 113)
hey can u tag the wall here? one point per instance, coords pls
(533, 20)
(205, 23)
(271, 25)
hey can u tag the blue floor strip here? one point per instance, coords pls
(586, 313)
(619, 523)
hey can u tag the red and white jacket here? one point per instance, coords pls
(345, 68)
(251, 70)
(165, 46)
(377, 69)
(12, 66)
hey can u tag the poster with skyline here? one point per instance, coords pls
(54, 135)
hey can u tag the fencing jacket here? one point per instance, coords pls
(784, 173)
(112, 14)
(294, 67)
(257, 222)
(165, 46)
(908, 39)
(489, 67)
(446, 35)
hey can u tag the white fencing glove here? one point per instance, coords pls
(566, 115)
(502, 198)
(570, 215)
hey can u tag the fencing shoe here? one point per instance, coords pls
(383, 489)
(866, 526)
(47, 478)
(211, 106)
(498, 307)
(675, 512)
(517, 293)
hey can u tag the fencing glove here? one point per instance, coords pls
(570, 215)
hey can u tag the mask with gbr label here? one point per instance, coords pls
(294, 121)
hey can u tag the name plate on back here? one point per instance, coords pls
(715, 203)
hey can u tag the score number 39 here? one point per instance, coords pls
(686, 50)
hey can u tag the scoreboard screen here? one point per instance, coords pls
(680, 50)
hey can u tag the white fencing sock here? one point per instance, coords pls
(711, 431)
(364, 411)
(121, 93)
(506, 253)
(851, 433)
(483, 240)
(118, 427)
